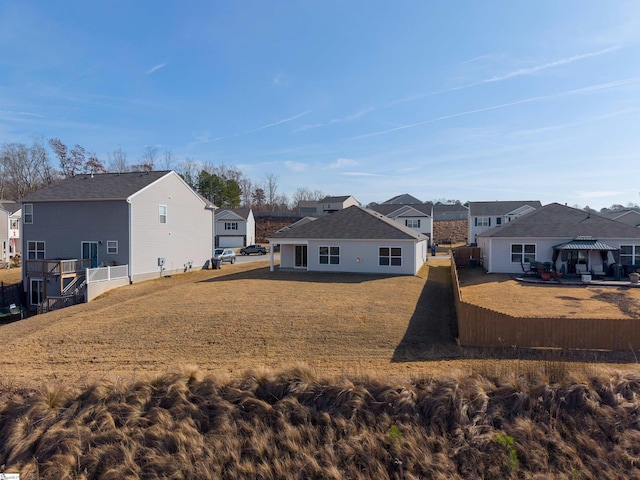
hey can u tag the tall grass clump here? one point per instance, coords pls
(292, 424)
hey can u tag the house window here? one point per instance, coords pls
(523, 252)
(629, 254)
(35, 250)
(483, 222)
(499, 221)
(231, 225)
(14, 224)
(390, 256)
(412, 223)
(27, 213)
(329, 255)
(163, 213)
(112, 247)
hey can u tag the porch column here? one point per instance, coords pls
(270, 256)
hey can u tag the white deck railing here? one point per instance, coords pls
(104, 274)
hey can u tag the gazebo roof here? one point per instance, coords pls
(585, 243)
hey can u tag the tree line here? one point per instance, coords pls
(26, 168)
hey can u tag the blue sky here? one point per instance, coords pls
(458, 100)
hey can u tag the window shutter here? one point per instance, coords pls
(418, 223)
(476, 220)
(489, 221)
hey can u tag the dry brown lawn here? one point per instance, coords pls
(242, 316)
(504, 294)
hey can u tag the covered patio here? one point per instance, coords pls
(587, 255)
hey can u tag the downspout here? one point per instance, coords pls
(130, 242)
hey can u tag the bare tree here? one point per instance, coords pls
(189, 170)
(94, 165)
(247, 191)
(26, 169)
(118, 161)
(168, 160)
(271, 188)
(305, 194)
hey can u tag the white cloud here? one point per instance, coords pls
(156, 68)
(343, 162)
(348, 118)
(279, 122)
(295, 166)
(599, 194)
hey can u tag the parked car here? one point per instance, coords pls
(224, 255)
(249, 249)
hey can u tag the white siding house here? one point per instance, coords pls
(235, 227)
(354, 240)
(484, 216)
(9, 229)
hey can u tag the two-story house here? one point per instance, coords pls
(235, 227)
(486, 215)
(151, 221)
(334, 204)
(9, 229)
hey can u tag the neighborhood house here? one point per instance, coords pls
(235, 227)
(570, 240)
(353, 239)
(143, 224)
(484, 216)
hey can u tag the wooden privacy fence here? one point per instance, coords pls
(482, 327)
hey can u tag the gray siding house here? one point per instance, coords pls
(151, 221)
(235, 227)
(354, 239)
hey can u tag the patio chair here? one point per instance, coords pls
(581, 268)
(526, 269)
(597, 270)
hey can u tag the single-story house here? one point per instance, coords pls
(356, 240)
(485, 215)
(574, 241)
(235, 227)
(151, 222)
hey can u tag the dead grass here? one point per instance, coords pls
(296, 425)
(502, 293)
(242, 317)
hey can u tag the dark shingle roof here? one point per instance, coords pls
(10, 206)
(241, 211)
(403, 199)
(479, 209)
(389, 208)
(334, 199)
(559, 221)
(101, 186)
(352, 223)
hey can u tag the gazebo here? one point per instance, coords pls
(585, 254)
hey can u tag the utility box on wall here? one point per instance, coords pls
(160, 261)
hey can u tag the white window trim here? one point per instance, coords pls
(36, 250)
(389, 256)
(523, 253)
(231, 225)
(635, 251)
(27, 214)
(329, 255)
(109, 247)
(164, 215)
(42, 287)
